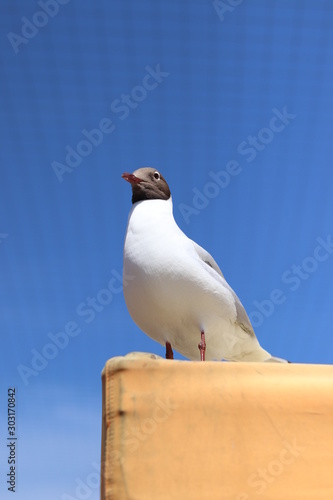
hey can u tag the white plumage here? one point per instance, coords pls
(177, 290)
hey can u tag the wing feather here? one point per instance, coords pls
(242, 318)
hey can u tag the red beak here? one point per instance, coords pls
(132, 179)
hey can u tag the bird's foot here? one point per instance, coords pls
(202, 346)
(168, 351)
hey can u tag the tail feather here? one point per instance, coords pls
(258, 355)
(274, 359)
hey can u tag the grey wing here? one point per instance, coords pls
(242, 318)
(207, 258)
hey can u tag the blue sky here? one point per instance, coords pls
(235, 106)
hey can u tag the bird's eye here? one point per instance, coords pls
(157, 175)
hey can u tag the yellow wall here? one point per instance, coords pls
(193, 430)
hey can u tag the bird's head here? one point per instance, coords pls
(147, 184)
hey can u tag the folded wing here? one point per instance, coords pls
(242, 318)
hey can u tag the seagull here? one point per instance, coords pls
(175, 291)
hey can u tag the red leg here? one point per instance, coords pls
(169, 351)
(202, 347)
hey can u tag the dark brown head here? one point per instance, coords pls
(147, 184)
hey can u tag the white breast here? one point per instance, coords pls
(172, 294)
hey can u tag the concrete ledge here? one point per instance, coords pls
(190, 430)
